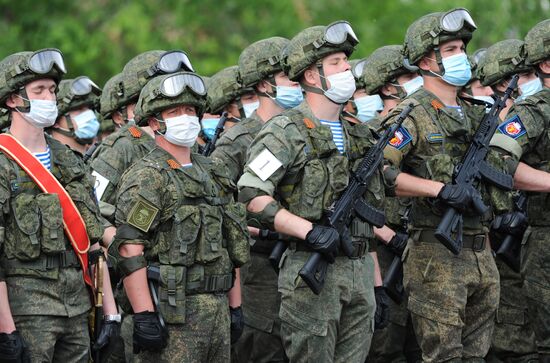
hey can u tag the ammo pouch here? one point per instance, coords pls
(236, 233)
(176, 282)
(38, 227)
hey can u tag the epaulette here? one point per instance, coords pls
(437, 105)
(173, 164)
(135, 132)
(309, 124)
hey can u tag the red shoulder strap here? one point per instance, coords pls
(73, 224)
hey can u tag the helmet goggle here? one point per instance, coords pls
(173, 86)
(171, 62)
(357, 69)
(82, 86)
(452, 21)
(478, 54)
(42, 61)
(337, 33)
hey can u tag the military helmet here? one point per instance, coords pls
(223, 88)
(313, 44)
(501, 60)
(113, 96)
(428, 32)
(21, 68)
(537, 42)
(357, 66)
(260, 60)
(474, 59)
(170, 90)
(75, 93)
(144, 66)
(382, 66)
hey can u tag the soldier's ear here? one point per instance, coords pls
(153, 124)
(12, 101)
(311, 76)
(263, 87)
(117, 118)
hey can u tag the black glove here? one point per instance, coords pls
(462, 197)
(512, 223)
(237, 323)
(108, 339)
(13, 348)
(398, 243)
(324, 240)
(269, 235)
(149, 334)
(382, 313)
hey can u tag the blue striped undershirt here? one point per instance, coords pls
(44, 158)
(337, 133)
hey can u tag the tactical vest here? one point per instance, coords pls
(443, 136)
(538, 155)
(319, 183)
(202, 238)
(34, 240)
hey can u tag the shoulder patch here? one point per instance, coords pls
(142, 215)
(401, 138)
(513, 128)
(265, 164)
(135, 132)
(434, 138)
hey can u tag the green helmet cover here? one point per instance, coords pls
(67, 101)
(260, 60)
(537, 42)
(383, 65)
(223, 88)
(502, 60)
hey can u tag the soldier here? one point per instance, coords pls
(298, 164)
(117, 152)
(452, 299)
(528, 127)
(384, 76)
(173, 217)
(260, 69)
(77, 103)
(474, 88)
(226, 93)
(48, 221)
(513, 337)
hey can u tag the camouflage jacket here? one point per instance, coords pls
(114, 155)
(528, 126)
(311, 173)
(233, 144)
(430, 142)
(187, 222)
(36, 259)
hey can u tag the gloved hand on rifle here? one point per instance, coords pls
(13, 348)
(324, 240)
(398, 243)
(463, 198)
(149, 334)
(382, 314)
(237, 323)
(108, 339)
(512, 223)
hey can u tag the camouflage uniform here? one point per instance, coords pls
(396, 342)
(261, 340)
(191, 230)
(48, 298)
(513, 337)
(527, 126)
(452, 298)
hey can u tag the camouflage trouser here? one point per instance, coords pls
(452, 300)
(55, 338)
(203, 338)
(396, 342)
(261, 338)
(337, 324)
(513, 337)
(535, 265)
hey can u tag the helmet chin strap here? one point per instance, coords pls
(324, 86)
(439, 60)
(26, 108)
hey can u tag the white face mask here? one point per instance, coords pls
(43, 113)
(342, 87)
(249, 108)
(182, 130)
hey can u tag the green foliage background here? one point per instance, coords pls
(99, 36)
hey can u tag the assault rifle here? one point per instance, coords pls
(210, 145)
(471, 169)
(351, 204)
(91, 150)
